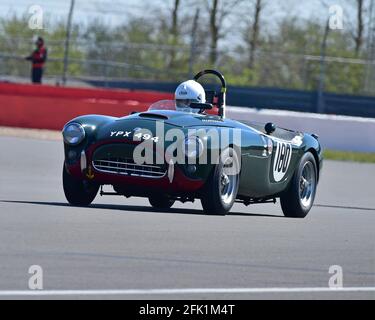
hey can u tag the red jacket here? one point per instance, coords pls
(38, 57)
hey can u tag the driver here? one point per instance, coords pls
(189, 92)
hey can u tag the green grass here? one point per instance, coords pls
(349, 156)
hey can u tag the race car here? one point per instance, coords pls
(186, 149)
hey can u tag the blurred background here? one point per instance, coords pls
(261, 45)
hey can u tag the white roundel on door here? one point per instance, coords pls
(282, 159)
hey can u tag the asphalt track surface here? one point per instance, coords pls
(124, 244)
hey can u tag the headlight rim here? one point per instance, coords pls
(81, 130)
(199, 142)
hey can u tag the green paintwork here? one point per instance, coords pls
(257, 177)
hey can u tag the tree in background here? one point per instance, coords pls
(99, 42)
(175, 44)
(254, 30)
(214, 30)
(359, 35)
(174, 31)
(56, 50)
(219, 10)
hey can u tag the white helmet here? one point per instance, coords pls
(188, 92)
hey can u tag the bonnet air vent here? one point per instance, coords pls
(153, 116)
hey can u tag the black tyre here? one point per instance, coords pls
(161, 201)
(222, 186)
(78, 192)
(298, 199)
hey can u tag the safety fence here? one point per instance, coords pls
(118, 60)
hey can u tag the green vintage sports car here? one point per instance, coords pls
(167, 155)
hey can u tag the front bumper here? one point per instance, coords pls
(175, 182)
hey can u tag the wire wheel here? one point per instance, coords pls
(228, 180)
(307, 184)
(298, 199)
(221, 187)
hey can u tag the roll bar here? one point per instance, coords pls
(222, 95)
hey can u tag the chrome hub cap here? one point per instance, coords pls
(228, 182)
(307, 185)
(224, 180)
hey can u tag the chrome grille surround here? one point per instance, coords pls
(127, 167)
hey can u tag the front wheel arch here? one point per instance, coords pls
(317, 161)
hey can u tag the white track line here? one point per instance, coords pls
(11, 293)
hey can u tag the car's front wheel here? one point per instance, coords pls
(78, 192)
(298, 199)
(222, 186)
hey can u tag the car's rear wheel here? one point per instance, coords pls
(222, 186)
(298, 199)
(78, 192)
(161, 201)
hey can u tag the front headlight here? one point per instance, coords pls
(73, 134)
(193, 147)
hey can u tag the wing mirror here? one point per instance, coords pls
(270, 128)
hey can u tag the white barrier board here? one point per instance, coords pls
(341, 133)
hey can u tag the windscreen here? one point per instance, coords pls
(163, 105)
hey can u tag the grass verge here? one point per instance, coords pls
(349, 156)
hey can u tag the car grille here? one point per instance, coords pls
(128, 167)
